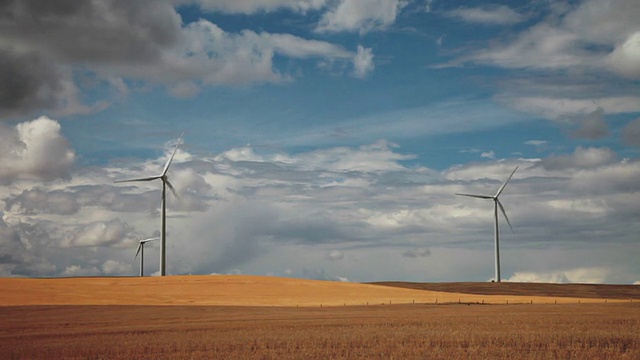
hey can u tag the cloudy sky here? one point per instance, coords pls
(323, 139)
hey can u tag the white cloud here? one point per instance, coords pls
(625, 59)
(360, 15)
(102, 233)
(76, 270)
(363, 62)
(335, 255)
(34, 150)
(495, 15)
(112, 267)
(582, 158)
(579, 275)
(488, 155)
(257, 210)
(559, 107)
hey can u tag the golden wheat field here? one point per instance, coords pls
(246, 317)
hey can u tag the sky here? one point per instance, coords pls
(323, 139)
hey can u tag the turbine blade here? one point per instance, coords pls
(149, 239)
(172, 189)
(138, 251)
(166, 166)
(505, 214)
(476, 196)
(149, 178)
(505, 183)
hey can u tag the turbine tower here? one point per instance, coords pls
(140, 251)
(165, 183)
(496, 204)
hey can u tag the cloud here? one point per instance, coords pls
(582, 158)
(579, 275)
(631, 133)
(36, 201)
(563, 39)
(591, 126)
(125, 42)
(488, 15)
(536, 142)
(101, 233)
(415, 253)
(625, 59)
(260, 210)
(335, 255)
(363, 62)
(360, 15)
(253, 6)
(34, 150)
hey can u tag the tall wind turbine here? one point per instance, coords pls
(496, 204)
(165, 183)
(140, 251)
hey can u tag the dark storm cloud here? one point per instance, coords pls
(27, 81)
(101, 31)
(42, 39)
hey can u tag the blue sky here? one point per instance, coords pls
(323, 138)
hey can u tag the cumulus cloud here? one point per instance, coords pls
(255, 209)
(133, 41)
(582, 158)
(625, 59)
(591, 126)
(360, 15)
(363, 62)
(488, 15)
(571, 48)
(579, 275)
(101, 233)
(38, 201)
(34, 150)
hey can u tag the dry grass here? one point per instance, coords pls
(585, 331)
(241, 290)
(129, 318)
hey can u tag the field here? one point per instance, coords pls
(81, 329)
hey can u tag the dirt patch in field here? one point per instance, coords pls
(586, 291)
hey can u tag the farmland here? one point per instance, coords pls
(447, 330)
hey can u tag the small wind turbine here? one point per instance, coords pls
(140, 251)
(165, 183)
(496, 204)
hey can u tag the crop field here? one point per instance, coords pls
(193, 328)
(585, 331)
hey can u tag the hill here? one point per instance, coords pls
(245, 290)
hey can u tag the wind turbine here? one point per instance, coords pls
(496, 204)
(165, 183)
(140, 251)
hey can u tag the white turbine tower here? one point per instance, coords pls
(165, 183)
(496, 204)
(140, 251)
